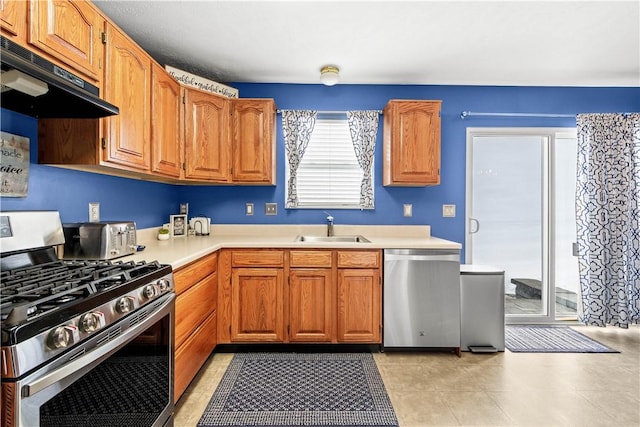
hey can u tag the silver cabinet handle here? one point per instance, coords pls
(471, 221)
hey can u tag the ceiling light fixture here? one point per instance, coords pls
(329, 75)
(23, 83)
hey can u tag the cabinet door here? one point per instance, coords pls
(310, 305)
(166, 141)
(192, 354)
(13, 19)
(71, 32)
(128, 85)
(253, 141)
(412, 143)
(256, 304)
(206, 136)
(194, 306)
(359, 305)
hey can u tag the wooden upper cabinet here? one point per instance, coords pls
(13, 19)
(127, 85)
(71, 32)
(206, 122)
(411, 155)
(166, 139)
(254, 141)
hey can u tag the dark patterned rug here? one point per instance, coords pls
(551, 339)
(300, 389)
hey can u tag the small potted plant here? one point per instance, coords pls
(163, 234)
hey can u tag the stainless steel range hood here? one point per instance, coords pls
(65, 94)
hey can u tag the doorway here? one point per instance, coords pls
(520, 217)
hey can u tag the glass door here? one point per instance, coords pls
(511, 214)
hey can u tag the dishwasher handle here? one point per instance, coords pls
(421, 255)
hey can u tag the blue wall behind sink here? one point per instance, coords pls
(150, 204)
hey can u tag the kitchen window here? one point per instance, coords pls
(331, 168)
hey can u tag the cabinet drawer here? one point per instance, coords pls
(310, 258)
(190, 356)
(191, 274)
(194, 305)
(359, 259)
(260, 258)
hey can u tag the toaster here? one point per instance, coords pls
(99, 240)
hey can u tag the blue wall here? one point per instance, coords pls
(150, 204)
(68, 191)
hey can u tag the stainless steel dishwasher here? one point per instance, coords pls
(421, 298)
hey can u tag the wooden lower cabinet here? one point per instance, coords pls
(310, 307)
(194, 305)
(256, 305)
(195, 331)
(191, 355)
(359, 305)
(329, 296)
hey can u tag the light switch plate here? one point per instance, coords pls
(249, 209)
(270, 208)
(448, 211)
(94, 212)
(407, 210)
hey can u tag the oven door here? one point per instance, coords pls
(126, 382)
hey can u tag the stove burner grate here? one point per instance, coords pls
(31, 291)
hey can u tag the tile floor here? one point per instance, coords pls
(502, 389)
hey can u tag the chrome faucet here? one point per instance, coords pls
(329, 224)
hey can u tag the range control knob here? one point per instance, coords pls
(150, 291)
(125, 304)
(164, 285)
(62, 336)
(91, 322)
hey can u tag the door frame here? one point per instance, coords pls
(547, 206)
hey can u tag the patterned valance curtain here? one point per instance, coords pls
(297, 126)
(608, 218)
(363, 126)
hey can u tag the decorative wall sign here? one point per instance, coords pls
(198, 82)
(14, 165)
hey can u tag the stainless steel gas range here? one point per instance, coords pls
(84, 342)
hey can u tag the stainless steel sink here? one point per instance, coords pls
(340, 239)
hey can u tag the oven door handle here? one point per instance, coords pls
(87, 362)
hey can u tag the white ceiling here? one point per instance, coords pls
(518, 42)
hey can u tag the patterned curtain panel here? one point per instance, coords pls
(608, 217)
(297, 126)
(364, 128)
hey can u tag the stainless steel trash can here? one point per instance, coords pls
(481, 308)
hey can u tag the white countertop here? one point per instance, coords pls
(179, 251)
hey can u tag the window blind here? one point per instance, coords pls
(329, 175)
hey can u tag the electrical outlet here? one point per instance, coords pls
(94, 212)
(270, 208)
(408, 210)
(248, 209)
(448, 211)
